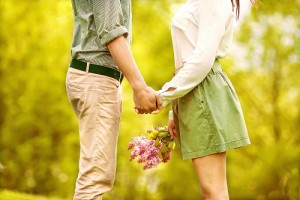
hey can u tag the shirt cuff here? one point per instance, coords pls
(117, 32)
(165, 101)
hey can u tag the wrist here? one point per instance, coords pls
(138, 86)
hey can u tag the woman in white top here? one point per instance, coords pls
(208, 117)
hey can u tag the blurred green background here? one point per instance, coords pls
(39, 141)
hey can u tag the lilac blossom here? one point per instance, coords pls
(145, 150)
(153, 148)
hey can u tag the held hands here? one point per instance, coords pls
(147, 101)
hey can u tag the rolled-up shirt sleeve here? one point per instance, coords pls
(211, 28)
(109, 20)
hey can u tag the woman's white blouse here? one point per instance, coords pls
(201, 32)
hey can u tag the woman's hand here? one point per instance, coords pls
(171, 128)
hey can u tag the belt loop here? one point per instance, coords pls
(212, 69)
(120, 77)
(216, 66)
(87, 67)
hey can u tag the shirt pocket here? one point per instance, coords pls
(198, 96)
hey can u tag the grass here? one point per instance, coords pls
(10, 195)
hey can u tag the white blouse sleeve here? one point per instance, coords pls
(211, 28)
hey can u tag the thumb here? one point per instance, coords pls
(158, 101)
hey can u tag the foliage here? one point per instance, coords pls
(39, 140)
(269, 90)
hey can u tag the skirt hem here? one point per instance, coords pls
(216, 149)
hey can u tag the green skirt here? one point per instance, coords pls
(210, 117)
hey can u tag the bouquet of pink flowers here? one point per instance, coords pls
(153, 148)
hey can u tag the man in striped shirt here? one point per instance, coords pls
(101, 55)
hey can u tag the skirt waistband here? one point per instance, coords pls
(216, 66)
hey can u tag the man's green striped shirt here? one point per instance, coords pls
(96, 23)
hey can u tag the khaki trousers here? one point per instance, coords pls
(96, 101)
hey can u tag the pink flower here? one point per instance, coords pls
(153, 148)
(145, 150)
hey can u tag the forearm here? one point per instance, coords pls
(190, 75)
(123, 57)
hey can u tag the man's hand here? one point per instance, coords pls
(145, 100)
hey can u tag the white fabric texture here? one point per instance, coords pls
(201, 32)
